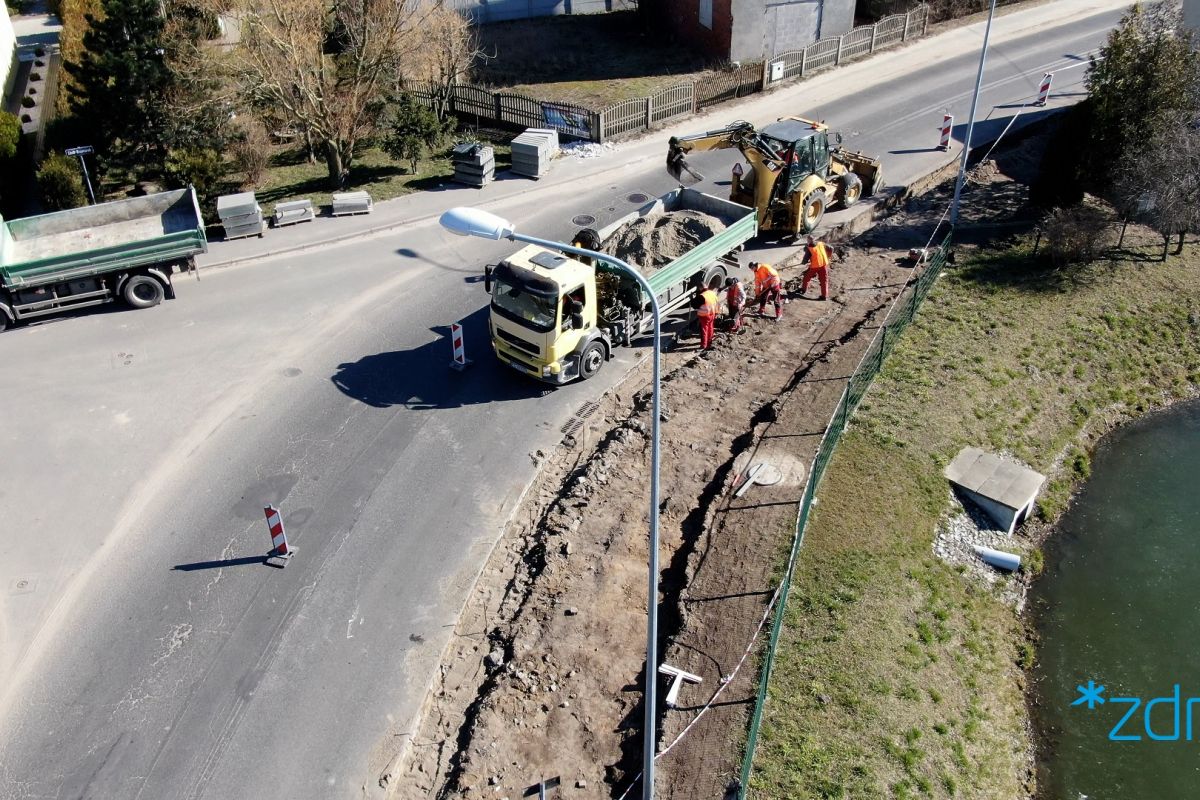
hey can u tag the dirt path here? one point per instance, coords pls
(544, 676)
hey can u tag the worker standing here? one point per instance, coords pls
(767, 288)
(735, 297)
(817, 256)
(707, 310)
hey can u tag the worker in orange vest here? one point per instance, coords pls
(817, 256)
(735, 297)
(707, 305)
(767, 288)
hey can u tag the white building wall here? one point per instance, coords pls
(8, 54)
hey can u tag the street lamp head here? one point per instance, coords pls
(465, 221)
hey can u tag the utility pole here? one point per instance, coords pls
(962, 167)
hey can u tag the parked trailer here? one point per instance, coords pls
(557, 317)
(86, 256)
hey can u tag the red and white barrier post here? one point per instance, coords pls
(1044, 91)
(279, 542)
(460, 354)
(947, 126)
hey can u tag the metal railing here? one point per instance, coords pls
(901, 313)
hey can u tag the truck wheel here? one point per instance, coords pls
(715, 278)
(142, 291)
(3, 321)
(851, 189)
(814, 210)
(591, 360)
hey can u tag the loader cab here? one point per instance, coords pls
(804, 146)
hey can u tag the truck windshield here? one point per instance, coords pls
(525, 297)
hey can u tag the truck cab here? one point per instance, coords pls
(543, 315)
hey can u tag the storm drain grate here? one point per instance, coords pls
(572, 426)
(583, 219)
(587, 409)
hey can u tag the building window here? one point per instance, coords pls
(706, 13)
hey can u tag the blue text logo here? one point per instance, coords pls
(1162, 719)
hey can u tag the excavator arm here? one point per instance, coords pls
(736, 135)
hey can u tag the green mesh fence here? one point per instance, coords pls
(903, 309)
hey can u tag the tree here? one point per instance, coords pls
(10, 135)
(201, 167)
(122, 82)
(447, 59)
(412, 129)
(1145, 74)
(327, 66)
(1159, 183)
(60, 183)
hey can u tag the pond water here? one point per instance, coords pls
(1119, 605)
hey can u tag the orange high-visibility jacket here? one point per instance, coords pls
(711, 303)
(818, 255)
(765, 277)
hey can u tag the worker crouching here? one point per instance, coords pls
(735, 298)
(767, 288)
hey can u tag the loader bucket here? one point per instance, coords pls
(869, 170)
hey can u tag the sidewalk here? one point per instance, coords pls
(823, 90)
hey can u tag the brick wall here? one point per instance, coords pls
(684, 19)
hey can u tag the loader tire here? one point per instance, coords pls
(813, 211)
(875, 185)
(851, 189)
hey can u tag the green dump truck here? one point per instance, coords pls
(557, 318)
(125, 249)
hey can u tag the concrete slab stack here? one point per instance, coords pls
(240, 215)
(533, 150)
(352, 203)
(474, 164)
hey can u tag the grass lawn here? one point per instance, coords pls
(896, 676)
(292, 177)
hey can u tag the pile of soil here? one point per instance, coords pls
(653, 241)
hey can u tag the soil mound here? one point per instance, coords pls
(653, 242)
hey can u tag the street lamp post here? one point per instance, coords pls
(962, 167)
(476, 222)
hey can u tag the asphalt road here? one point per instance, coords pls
(147, 651)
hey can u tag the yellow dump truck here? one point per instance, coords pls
(558, 317)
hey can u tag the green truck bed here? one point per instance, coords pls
(80, 242)
(741, 225)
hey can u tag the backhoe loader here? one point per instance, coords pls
(795, 174)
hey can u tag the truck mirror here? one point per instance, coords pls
(487, 279)
(837, 137)
(577, 321)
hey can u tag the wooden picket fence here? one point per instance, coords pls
(627, 117)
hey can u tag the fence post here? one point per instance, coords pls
(882, 347)
(694, 103)
(841, 41)
(649, 112)
(766, 73)
(598, 126)
(803, 62)
(907, 20)
(925, 20)
(496, 100)
(874, 35)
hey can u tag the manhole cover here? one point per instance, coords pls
(583, 219)
(638, 197)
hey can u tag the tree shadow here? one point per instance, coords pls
(422, 379)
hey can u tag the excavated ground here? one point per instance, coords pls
(544, 676)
